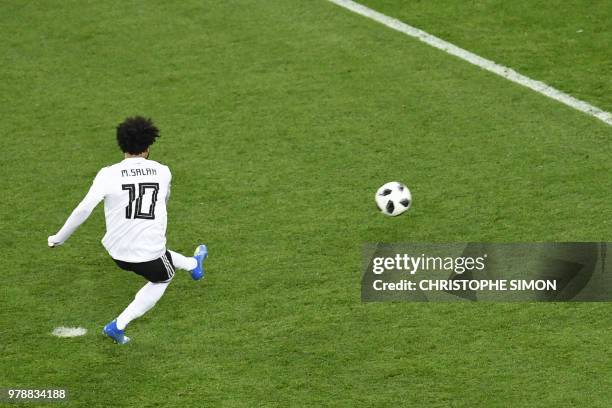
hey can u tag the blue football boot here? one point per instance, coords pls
(200, 255)
(112, 331)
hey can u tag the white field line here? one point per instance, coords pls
(472, 58)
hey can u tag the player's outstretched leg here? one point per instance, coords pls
(144, 301)
(192, 264)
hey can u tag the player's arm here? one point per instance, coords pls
(80, 213)
(169, 184)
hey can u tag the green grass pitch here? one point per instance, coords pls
(279, 120)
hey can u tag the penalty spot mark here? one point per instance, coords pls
(69, 331)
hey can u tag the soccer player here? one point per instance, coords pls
(135, 192)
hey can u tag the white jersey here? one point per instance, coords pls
(135, 192)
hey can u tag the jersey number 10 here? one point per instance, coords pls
(142, 190)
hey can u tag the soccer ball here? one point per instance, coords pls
(393, 198)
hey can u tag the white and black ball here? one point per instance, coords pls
(393, 198)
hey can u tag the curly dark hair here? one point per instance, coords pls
(136, 134)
